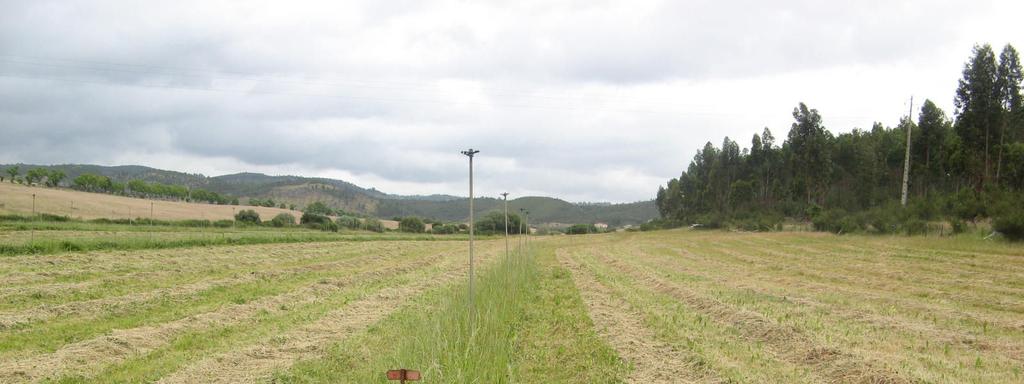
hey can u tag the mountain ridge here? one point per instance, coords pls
(340, 194)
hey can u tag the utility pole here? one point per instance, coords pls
(151, 221)
(472, 310)
(504, 196)
(906, 160)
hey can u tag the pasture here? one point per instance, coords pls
(665, 306)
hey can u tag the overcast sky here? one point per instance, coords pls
(582, 100)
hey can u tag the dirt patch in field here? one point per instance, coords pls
(620, 325)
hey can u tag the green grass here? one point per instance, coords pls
(530, 326)
(50, 242)
(192, 345)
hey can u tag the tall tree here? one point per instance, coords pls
(978, 112)
(1008, 82)
(933, 127)
(810, 152)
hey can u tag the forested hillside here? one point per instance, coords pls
(962, 168)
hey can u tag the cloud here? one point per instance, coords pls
(579, 99)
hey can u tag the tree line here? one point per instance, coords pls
(48, 177)
(91, 182)
(964, 168)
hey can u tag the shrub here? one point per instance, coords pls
(828, 220)
(350, 222)
(248, 216)
(966, 205)
(882, 220)
(283, 220)
(412, 225)
(1011, 225)
(958, 226)
(915, 227)
(223, 223)
(318, 208)
(581, 229)
(708, 221)
(314, 218)
(372, 224)
(445, 229)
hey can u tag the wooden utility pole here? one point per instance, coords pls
(906, 160)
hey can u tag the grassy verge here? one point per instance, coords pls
(530, 326)
(57, 244)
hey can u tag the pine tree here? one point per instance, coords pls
(978, 113)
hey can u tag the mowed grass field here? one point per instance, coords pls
(17, 199)
(666, 306)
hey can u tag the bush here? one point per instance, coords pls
(915, 227)
(248, 216)
(445, 229)
(372, 224)
(494, 223)
(223, 223)
(882, 220)
(958, 226)
(350, 222)
(829, 220)
(1011, 225)
(966, 205)
(314, 218)
(318, 208)
(709, 221)
(412, 225)
(283, 220)
(761, 222)
(581, 229)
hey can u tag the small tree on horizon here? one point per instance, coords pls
(13, 172)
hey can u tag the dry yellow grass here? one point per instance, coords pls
(17, 199)
(811, 307)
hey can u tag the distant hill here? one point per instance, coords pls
(341, 194)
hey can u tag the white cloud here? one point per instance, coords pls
(578, 99)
